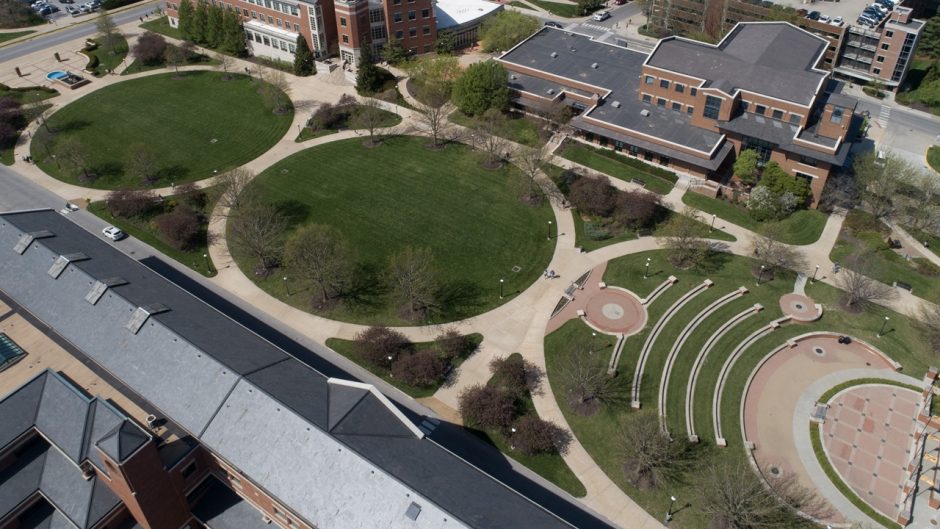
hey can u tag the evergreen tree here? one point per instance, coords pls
(235, 36)
(393, 52)
(186, 19)
(214, 29)
(200, 18)
(303, 58)
(368, 78)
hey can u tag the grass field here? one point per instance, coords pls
(802, 227)
(196, 59)
(400, 194)
(163, 27)
(108, 61)
(15, 35)
(389, 119)
(520, 129)
(616, 166)
(600, 433)
(933, 158)
(190, 124)
(562, 9)
(520, 5)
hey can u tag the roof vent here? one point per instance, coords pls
(615, 104)
(594, 65)
(645, 113)
(554, 54)
(413, 511)
(513, 77)
(102, 286)
(62, 261)
(140, 316)
(550, 91)
(573, 49)
(27, 238)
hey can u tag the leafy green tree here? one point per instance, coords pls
(746, 166)
(186, 19)
(929, 43)
(200, 19)
(445, 44)
(303, 58)
(214, 29)
(506, 29)
(482, 87)
(393, 52)
(434, 77)
(368, 76)
(778, 181)
(588, 6)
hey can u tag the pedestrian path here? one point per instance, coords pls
(884, 115)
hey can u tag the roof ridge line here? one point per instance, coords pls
(382, 398)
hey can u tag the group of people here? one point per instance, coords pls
(549, 274)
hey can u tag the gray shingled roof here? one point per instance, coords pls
(221, 508)
(772, 58)
(781, 134)
(252, 404)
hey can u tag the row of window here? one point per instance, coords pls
(412, 15)
(271, 20)
(277, 6)
(678, 87)
(271, 41)
(775, 113)
(675, 105)
(413, 32)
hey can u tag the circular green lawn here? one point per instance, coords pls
(401, 194)
(192, 126)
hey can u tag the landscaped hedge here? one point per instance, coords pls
(639, 165)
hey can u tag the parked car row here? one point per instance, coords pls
(876, 12)
(43, 8)
(816, 15)
(87, 7)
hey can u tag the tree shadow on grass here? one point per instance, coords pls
(171, 174)
(74, 125)
(366, 292)
(458, 298)
(294, 211)
(714, 261)
(111, 171)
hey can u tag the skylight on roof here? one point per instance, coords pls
(10, 353)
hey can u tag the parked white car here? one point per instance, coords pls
(825, 19)
(838, 21)
(600, 16)
(113, 233)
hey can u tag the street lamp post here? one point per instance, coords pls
(672, 501)
(646, 272)
(287, 286)
(206, 257)
(712, 228)
(549, 231)
(883, 325)
(501, 281)
(593, 341)
(814, 273)
(760, 275)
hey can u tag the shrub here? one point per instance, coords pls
(92, 63)
(454, 345)
(178, 228)
(636, 209)
(566, 180)
(423, 369)
(376, 344)
(535, 436)
(8, 134)
(481, 87)
(487, 408)
(11, 112)
(190, 194)
(514, 375)
(129, 203)
(150, 48)
(594, 196)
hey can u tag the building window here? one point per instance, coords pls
(693, 91)
(297, 28)
(777, 114)
(663, 160)
(680, 88)
(712, 107)
(266, 41)
(345, 39)
(794, 119)
(876, 71)
(278, 22)
(836, 115)
(677, 107)
(760, 109)
(426, 30)
(270, 20)
(342, 21)
(647, 98)
(763, 148)
(396, 16)
(412, 15)
(245, 12)
(378, 32)
(881, 58)
(808, 161)
(375, 15)
(744, 105)
(660, 102)
(254, 15)
(889, 33)
(649, 79)
(664, 83)
(291, 48)
(689, 110)
(399, 34)
(396, 2)
(412, 32)
(425, 13)
(188, 470)
(885, 46)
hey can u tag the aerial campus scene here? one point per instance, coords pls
(342, 264)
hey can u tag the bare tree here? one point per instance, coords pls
(486, 137)
(108, 29)
(774, 254)
(651, 458)
(368, 115)
(258, 231)
(276, 90)
(880, 180)
(589, 387)
(532, 435)
(486, 407)
(225, 62)
(684, 239)
(515, 375)
(433, 118)
(920, 203)
(74, 155)
(320, 254)
(230, 187)
(928, 322)
(143, 163)
(531, 160)
(381, 346)
(860, 289)
(411, 274)
(175, 57)
(733, 497)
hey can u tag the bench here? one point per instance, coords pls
(640, 183)
(905, 286)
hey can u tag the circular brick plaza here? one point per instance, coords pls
(615, 311)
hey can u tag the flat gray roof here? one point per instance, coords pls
(771, 58)
(781, 134)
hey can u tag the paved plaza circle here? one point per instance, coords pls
(615, 311)
(800, 307)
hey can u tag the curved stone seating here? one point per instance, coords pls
(648, 344)
(726, 368)
(700, 360)
(671, 280)
(680, 341)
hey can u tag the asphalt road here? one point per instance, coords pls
(84, 28)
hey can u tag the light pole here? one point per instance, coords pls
(814, 273)
(593, 341)
(287, 286)
(646, 273)
(549, 231)
(672, 501)
(501, 281)
(883, 325)
(206, 257)
(713, 223)
(760, 275)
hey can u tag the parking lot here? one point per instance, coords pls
(847, 9)
(54, 11)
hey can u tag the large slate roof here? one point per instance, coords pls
(257, 407)
(771, 58)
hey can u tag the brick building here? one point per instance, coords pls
(126, 401)
(693, 106)
(882, 53)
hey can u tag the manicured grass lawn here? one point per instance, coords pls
(520, 129)
(802, 227)
(388, 119)
(558, 8)
(615, 165)
(346, 348)
(142, 229)
(108, 61)
(886, 265)
(15, 35)
(191, 124)
(6, 154)
(401, 194)
(163, 27)
(933, 158)
(521, 5)
(23, 95)
(933, 241)
(600, 433)
(196, 59)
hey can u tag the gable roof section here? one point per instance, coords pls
(775, 59)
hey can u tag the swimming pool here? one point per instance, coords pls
(58, 74)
